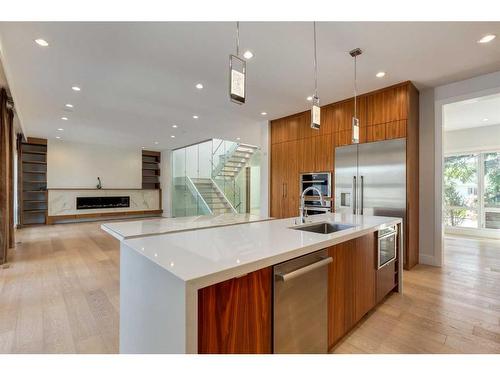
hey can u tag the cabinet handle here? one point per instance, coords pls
(301, 271)
(354, 195)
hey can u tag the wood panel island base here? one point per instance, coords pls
(211, 290)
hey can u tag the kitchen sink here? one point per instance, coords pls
(323, 228)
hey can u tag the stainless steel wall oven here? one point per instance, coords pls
(321, 181)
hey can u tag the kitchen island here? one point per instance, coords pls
(210, 290)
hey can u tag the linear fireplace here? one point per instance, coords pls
(85, 203)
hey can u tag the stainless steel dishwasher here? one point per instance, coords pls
(301, 304)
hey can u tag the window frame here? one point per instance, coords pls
(481, 209)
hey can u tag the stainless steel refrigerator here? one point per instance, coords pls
(370, 178)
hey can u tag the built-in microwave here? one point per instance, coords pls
(387, 245)
(323, 182)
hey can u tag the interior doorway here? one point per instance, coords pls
(471, 170)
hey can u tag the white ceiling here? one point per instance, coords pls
(138, 78)
(477, 112)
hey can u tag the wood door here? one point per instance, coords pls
(291, 179)
(306, 148)
(387, 105)
(351, 285)
(323, 153)
(340, 291)
(278, 130)
(364, 275)
(277, 179)
(235, 316)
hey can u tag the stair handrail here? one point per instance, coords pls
(224, 196)
(196, 193)
(216, 169)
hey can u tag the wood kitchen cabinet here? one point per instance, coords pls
(235, 316)
(351, 285)
(285, 183)
(388, 113)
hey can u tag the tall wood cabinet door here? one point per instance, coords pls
(306, 148)
(387, 105)
(278, 131)
(364, 275)
(291, 166)
(277, 179)
(235, 316)
(340, 292)
(323, 153)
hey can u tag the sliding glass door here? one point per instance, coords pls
(471, 191)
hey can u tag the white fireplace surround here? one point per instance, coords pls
(63, 201)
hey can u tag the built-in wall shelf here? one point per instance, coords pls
(151, 169)
(32, 181)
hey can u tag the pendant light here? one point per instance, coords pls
(237, 73)
(315, 110)
(355, 121)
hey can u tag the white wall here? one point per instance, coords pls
(166, 182)
(264, 168)
(77, 165)
(484, 138)
(431, 133)
(427, 161)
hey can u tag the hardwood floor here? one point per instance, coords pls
(454, 309)
(61, 295)
(61, 291)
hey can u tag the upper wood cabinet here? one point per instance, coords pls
(387, 105)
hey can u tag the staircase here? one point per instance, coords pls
(213, 196)
(233, 163)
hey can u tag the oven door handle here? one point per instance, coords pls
(394, 233)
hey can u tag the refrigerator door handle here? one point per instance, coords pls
(362, 193)
(354, 195)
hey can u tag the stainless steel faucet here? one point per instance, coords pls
(302, 209)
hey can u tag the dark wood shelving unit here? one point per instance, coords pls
(151, 169)
(32, 181)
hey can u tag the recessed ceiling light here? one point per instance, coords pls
(58, 137)
(309, 98)
(76, 88)
(195, 116)
(174, 126)
(263, 113)
(172, 136)
(248, 54)
(380, 74)
(156, 143)
(143, 147)
(42, 42)
(64, 118)
(485, 119)
(60, 129)
(487, 38)
(68, 105)
(238, 138)
(199, 86)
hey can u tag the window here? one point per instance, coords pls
(491, 162)
(460, 191)
(471, 191)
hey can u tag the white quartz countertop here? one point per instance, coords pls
(205, 257)
(139, 228)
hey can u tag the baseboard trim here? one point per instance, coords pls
(429, 260)
(101, 216)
